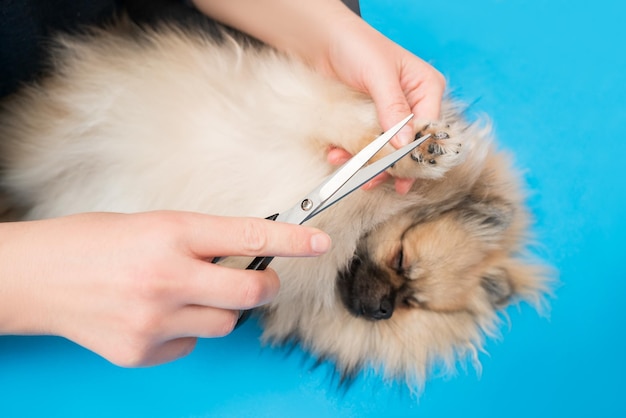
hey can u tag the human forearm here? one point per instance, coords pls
(136, 288)
(19, 298)
(301, 28)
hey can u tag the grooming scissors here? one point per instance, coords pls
(349, 177)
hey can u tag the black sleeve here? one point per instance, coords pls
(26, 27)
(353, 5)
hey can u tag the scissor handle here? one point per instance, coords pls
(259, 263)
(256, 263)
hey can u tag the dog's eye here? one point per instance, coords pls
(398, 262)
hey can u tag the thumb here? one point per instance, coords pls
(392, 106)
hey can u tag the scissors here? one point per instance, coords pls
(349, 177)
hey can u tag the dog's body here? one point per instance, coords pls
(133, 121)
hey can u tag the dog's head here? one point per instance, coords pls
(447, 262)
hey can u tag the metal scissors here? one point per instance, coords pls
(349, 177)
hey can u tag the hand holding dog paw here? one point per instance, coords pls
(138, 289)
(336, 42)
(399, 82)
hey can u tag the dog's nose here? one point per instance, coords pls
(383, 310)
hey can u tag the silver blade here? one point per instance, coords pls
(369, 172)
(346, 171)
(329, 188)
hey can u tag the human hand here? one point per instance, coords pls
(398, 81)
(331, 38)
(138, 289)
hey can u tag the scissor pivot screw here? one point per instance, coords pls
(307, 204)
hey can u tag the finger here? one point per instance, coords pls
(338, 156)
(403, 186)
(211, 236)
(376, 181)
(426, 96)
(391, 107)
(201, 322)
(169, 351)
(229, 288)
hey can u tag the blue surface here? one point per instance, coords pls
(551, 76)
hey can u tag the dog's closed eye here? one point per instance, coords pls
(397, 263)
(403, 266)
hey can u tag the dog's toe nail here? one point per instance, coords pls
(417, 158)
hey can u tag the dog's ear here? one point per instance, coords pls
(497, 283)
(487, 220)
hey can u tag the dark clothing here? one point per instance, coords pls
(26, 27)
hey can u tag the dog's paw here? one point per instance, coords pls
(434, 157)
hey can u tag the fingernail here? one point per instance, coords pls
(320, 243)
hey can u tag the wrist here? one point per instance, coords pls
(16, 316)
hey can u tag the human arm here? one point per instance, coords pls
(138, 289)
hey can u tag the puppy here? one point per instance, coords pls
(133, 119)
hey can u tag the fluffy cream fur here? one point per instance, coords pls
(168, 119)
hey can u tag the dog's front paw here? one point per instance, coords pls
(434, 157)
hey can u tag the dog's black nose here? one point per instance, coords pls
(382, 310)
(385, 310)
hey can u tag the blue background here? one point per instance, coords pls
(550, 73)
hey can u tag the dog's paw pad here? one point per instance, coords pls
(438, 145)
(436, 155)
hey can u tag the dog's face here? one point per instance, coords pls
(444, 263)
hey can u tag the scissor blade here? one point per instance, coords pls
(346, 171)
(368, 173)
(316, 198)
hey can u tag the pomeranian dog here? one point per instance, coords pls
(134, 118)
